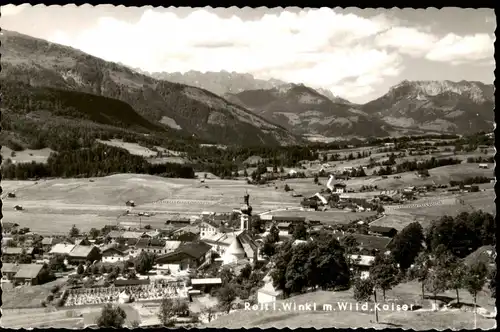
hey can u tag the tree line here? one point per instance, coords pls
(98, 160)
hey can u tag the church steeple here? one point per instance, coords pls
(245, 213)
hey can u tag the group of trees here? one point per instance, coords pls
(421, 166)
(463, 234)
(98, 160)
(315, 264)
(472, 160)
(470, 181)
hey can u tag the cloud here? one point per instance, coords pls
(406, 40)
(458, 50)
(316, 47)
(11, 10)
(450, 48)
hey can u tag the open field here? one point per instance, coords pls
(132, 148)
(54, 205)
(26, 297)
(26, 156)
(408, 293)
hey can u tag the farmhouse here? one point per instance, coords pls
(208, 229)
(339, 188)
(206, 284)
(82, 242)
(9, 270)
(383, 231)
(188, 256)
(283, 226)
(61, 249)
(171, 245)
(370, 243)
(28, 274)
(82, 254)
(149, 245)
(485, 166)
(16, 251)
(362, 263)
(111, 254)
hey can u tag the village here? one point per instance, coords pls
(187, 257)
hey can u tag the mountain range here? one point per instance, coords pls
(44, 82)
(175, 109)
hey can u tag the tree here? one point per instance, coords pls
(384, 273)
(226, 275)
(363, 290)
(94, 233)
(475, 279)
(436, 282)
(167, 312)
(407, 244)
(316, 179)
(80, 269)
(268, 249)
(274, 234)
(226, 295)
(74, 232)
(282, 170)
(300, 232)
(111, 316)
(144, 262)
(287, 188)
(450, 268)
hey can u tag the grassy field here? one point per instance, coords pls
(55, 205)
(26, 297)
(408, 293)
(26, 156)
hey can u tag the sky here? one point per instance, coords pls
(357, 54)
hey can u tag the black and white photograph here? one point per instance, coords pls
(234, 168)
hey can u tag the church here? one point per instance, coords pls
(240, 245)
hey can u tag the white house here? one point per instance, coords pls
(111, 254)
(485, 166)
(208, 230)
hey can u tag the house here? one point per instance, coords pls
(115, 234)
(130, 203)
(208, 229)
(362, 263)
(186, 234)
(370, 243)
(82, 254)
(268, 293)
(339, 188)
(16, 251)
(186, 257)
(28, 274)
(154, 246)
(47, 243)
(389, 145)
(206, 284)
(82, 242)
(383, 231)
(133, 236)
(172, 245)
(153, 234)
(112, 254)
(284, 226)
(61, 249)
(9, 270)
(485, 166)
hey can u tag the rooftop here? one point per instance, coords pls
(81, 251)
(206, 281)
(28, 271)
(62, 248)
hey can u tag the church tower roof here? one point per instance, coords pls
(236, 248)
